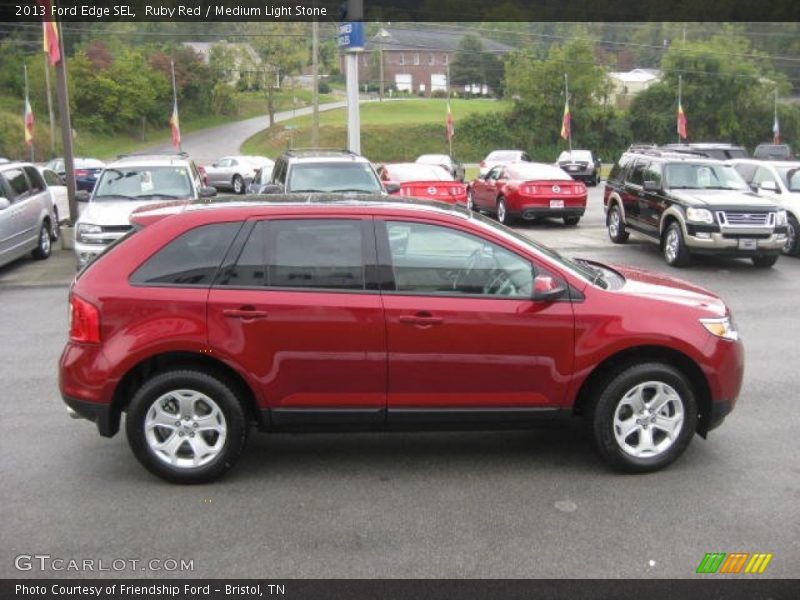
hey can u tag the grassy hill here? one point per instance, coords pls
(395, 130)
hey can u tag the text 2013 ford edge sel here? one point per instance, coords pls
(312, 314)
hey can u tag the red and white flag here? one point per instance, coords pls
(175, 125)
(28, 120)
(51, 43)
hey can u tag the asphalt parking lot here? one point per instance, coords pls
(533, 504)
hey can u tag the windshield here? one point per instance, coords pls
(577, 268)
(576, 155)
(402, 173)
(434, 159)
(143, 183)
(534, 171)
(791, 177)
(688, 176)
(504, 155)
(333, 177)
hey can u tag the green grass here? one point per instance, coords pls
(390, 131)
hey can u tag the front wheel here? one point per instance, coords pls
(470, 200)
(44, 245)
(792, 245)
(765, 261)
(571, 221)
(616, 228)
(186, 426)
(644, 418)
(238, 184)
(674, 248)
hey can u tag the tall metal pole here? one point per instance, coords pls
(449, 114)
(380, 71)
(315, 83)
(27, 101)
(569, 131)
(355, 12)
(50, 105)
(175, 97)
(62, 94)
(680, 84)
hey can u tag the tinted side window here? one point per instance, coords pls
(279, 172)
(17, 183)
(653, 173)
(51, 178)
(636, 174)
(315, 253)
(35, 179)
(190, 259)
(618, 169)
(250, 268)
(746, 171)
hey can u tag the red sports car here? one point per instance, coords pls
(429, 182)
(528, 191)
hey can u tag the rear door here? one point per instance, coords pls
(652, 203)
(485, 189)
(299, 311)
(21, 218)
(631, 192)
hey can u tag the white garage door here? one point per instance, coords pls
(403, 83)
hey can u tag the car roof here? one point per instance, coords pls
(312, 155)
(667, 156)
(152, 160)
(11, 164)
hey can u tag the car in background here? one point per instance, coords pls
(428, 182)
(780, 182)
(773, 152)
(715, 150)
(455, 168)
(87, 171)
(125, 185)
(580, 165)
(27, 222)
(502, 157)
(233, 173)
(691, 205)
(261, 179)
(58, 192)
(305, 315)
(324, 171)
(528, 191)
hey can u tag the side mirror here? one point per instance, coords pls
(272, 188)
(392, 187)
(651, 186)
(82, 196)
(215, 165)
(547, 289)
(208, 192)
(4, 203)
(769, 186)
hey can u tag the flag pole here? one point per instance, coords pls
(776, 132)
(27, 104)
(449, 115)
(569, 131)
(174, 96)
(680, 83)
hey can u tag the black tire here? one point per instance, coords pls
(765, 261)
(616, 394)
(501, 212)
(219, 392)
(55, 227)
(44, 246)
(470, 200)
(616, 226)
(238, 184)
(674, 248)
(792, 247)
(571, 221)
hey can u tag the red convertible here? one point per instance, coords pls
(429, 182)
(528, 191)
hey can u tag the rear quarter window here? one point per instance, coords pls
(191, 259)
(618, 169)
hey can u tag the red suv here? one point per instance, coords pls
(210, 317)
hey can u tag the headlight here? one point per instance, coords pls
(722, 327)
(700, 215)
(85, 228)
(780, 218)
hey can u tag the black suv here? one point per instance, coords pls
(691, 205)
(323, 171)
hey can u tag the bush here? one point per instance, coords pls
(323, 87)
(439, 94)
(224, 100)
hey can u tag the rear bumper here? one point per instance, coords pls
(103, 415)
(532, 213)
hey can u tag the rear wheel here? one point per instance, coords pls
(186, 426)
(616, 228)
(792, 245)
(502, 212)
(55, 228)
(674, 248)
(644, 418)
(571, 221)
(238, 184)
(44, 246)
(765, 261)
(470, 200)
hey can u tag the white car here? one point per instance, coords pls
(778, 180)
(126, 185)
(58, 193)
(235, 173)
(502, 157)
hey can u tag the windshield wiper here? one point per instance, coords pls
(355, 190)
(170, 196)
(309, 191)
(106, 196)
(683, 187)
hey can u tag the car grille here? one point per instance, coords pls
(746, 219)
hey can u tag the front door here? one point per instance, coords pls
(464, 337)
(295, 312)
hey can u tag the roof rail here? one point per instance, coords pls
(145, 154)
(318, 149)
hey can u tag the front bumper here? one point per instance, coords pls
(104, 416)
(720, 242)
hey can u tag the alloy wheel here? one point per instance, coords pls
(648, 420)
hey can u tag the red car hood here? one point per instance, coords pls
(647, 284)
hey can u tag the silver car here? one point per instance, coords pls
(27, 222)
(233, 172)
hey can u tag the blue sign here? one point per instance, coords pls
(351, 36)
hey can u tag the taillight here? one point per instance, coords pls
(455, 191)
(529, 189)
(81, 172)
(84, 321)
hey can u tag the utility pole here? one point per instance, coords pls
(355, 12)
(315, 83)
(62, 94)
(380, 68)
(52, 120)
(27, 104)
(569, 131)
